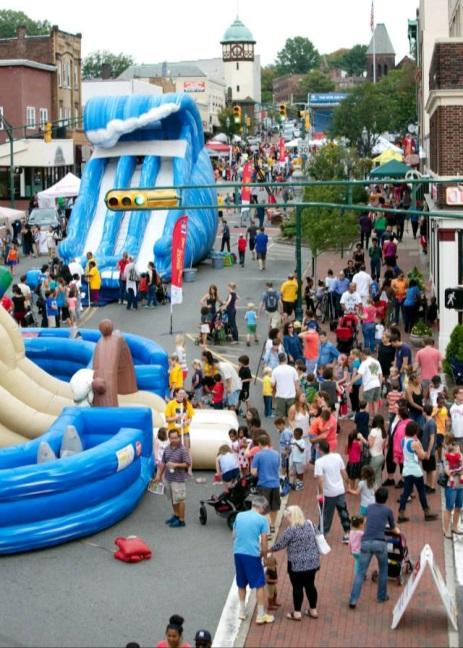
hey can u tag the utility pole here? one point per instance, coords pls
(9, 132)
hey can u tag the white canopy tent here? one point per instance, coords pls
(383, 144)
(8, 215)
(67, 187)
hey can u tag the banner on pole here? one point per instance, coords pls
(426, 559)
(178, 258)
(247, 177)
(282, 149)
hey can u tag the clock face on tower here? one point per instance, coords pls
(237, 50)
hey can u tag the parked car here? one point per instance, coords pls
(44, 217)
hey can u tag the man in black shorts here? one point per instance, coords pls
(266, 467)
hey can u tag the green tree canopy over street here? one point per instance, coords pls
(371, 109)
(298, 56)
(91, 67)
(267, 75)
(10, 20)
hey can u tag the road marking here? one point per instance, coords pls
(87, 315)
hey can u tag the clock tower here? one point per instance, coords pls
(241, 69)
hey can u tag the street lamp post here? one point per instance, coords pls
(299, 195)
(9, 132)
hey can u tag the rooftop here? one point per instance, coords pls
(27, 63)
(237, 33)
(150, 70)
(381, 41)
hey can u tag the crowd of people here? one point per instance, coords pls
(401, 429)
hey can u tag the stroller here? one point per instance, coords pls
(346, 333)
(220, 329)
(398, 560)
(228, 505)
(162, 294)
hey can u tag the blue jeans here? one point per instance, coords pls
(369, 549)
(368, 330)
(152, 296)
(376, 268)
(398, 306)
(268, 406)
(122, 294)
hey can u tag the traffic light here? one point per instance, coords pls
(248, 121)
(282, 112)
(237, 114)
(307, 120)
(47, 132)
(140, 199)
(454, 298)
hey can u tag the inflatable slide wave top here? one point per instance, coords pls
(141, 142)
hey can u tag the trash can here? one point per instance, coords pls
(189, 275)
(218, 262)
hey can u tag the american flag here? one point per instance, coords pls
(372, 16)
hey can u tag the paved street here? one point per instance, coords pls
(68, 584)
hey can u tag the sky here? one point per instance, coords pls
(172, 30)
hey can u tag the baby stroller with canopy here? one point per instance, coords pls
(228, 505)
(346, 333)
(398, 559)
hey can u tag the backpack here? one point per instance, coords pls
(271, 301)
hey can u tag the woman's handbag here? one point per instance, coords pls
(442, 480)
(323, 546)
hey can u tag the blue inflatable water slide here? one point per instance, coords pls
(141, 142)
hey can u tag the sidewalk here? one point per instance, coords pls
(423, 624)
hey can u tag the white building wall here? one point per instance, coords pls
(209, 96)
(445, 264)
(455, 15)
(434, 23)
(240, 79)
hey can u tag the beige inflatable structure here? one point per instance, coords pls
(208, 431)
(31, 399)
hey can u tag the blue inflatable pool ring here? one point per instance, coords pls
(44, 504)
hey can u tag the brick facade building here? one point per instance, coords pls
(25, 95)
(60, 49)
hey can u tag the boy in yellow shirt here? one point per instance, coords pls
(267, 392)
(175, 373)
(441, 416)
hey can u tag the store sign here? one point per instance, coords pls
(426, 559)
(454, 196)
(194, 86)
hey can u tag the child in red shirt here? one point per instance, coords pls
(143, 287)
(218, 392)
(241, 249)
(354, 457)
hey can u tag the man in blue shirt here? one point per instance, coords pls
(374, 543)
(261, 248)
(328, 352)
(339, 287)
(266, 467)
(250, 545)
(403, 355)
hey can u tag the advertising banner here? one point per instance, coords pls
(247, 177)
(178, 257)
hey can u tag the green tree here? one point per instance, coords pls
(267, 75)
(314, 81)
(11, 19)
(332, 59)
(399, 89)
(361, 117)
(371, 109)
(227, 122)
(92, 64)
(354, 61)
(298, 56)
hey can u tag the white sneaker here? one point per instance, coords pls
(265, 618)
(345, 539)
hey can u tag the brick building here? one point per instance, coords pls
(445, 109)
(380, 53)
(25, 95)
(286, 88)
(60, 49)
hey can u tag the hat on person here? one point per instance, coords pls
(312, 325)
(203, 635)
(297, 324)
